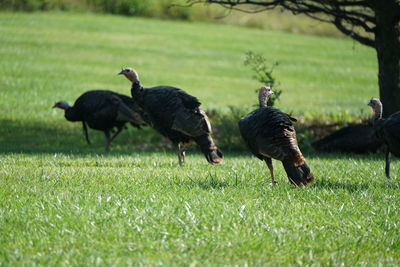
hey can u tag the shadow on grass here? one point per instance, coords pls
(211, 182)
(207, 184)
(38, 137)
(334, 156)
(214, 183)
(21, 136)
(355, 187)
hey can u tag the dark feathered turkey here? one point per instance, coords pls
(176, 115)
(356, 138)
(269, 133)
(387, 130)
(103, 110)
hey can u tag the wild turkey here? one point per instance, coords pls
(388, 130)
(103, 110)
(176, 115)
(355, 138)
(269, 133)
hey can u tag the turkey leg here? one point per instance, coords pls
(271, 169)
(181, 153)
(85, 132)
(387, 167)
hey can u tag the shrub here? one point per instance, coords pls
(148, 8)
(263, 73)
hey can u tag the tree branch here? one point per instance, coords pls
(363, 40)
(358, 14)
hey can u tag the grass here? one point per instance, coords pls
(64, 203)
(142, 208)
(277, 19)
(50, 56)
(46, 57)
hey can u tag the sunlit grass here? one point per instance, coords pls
(145, 209)
(47, 57)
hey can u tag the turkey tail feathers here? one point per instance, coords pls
(298, 175)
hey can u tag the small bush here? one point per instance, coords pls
(263, 73)
(148, 8)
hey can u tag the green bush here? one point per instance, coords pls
(148, 8)
(263, 73)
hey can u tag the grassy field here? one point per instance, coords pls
(142, 208)
(46, 57)
(276, 19)
(64, 203)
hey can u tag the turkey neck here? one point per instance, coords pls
(377, 114)
(263, 100)
(70, 115)
(263, 97)
(137, 91)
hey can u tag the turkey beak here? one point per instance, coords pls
(122, 72)
(54, 106)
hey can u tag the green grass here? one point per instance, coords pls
(64, 203)
(46, 57)
(277, 19)
(142, 208)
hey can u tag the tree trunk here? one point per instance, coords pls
(387, 44)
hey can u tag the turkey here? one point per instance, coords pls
(269, 133)
(103, 110)
(176, 115)
(355, 138)
(388, 130)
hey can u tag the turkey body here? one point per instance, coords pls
(177, 116)
(269, 133)
(357, 138)
(388, 130)
(105, 110)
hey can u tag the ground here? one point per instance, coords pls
(142, 208)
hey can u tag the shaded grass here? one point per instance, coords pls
(44, 137)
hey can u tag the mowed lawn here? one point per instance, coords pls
(46, 57)
(63, 202)
(143, 209)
